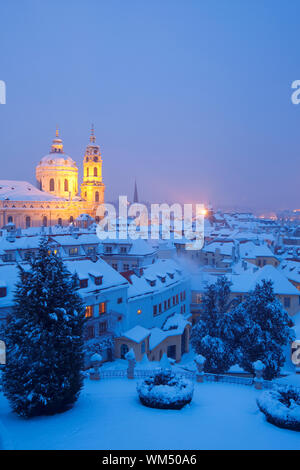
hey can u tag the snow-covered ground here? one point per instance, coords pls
(108, 415)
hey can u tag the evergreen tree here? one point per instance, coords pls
(44, 338)
(209, 336)
(260, 328)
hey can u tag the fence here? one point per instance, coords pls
(230, 379)
(143, 373)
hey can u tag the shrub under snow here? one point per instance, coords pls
(281, 407)
(165, 391)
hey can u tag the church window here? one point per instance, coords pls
(95, 159)
(9, 219)
(66, 185)
(44, 221)
(87, 172)
(27, 222)
(96, 196)
(95, 172)
(51, 185)
(59, 221)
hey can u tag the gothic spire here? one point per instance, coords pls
(135, 195)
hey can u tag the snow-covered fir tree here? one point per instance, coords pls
(260, 328)
(242, 333)
(209, 335)
(44, 338)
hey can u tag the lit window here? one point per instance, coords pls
(102, 308)
(89, 311)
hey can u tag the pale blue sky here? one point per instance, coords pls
(190, 97)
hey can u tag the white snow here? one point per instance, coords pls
(22, 191)
(221, 416)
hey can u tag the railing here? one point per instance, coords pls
(228, 379)
(110, 374)
(231, 379)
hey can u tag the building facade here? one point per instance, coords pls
(55, 200)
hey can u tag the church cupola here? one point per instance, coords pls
(57, 173)
(57, 145)
(92, 188)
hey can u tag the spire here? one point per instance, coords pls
(92, 137)
(57, 145)
(135, 195)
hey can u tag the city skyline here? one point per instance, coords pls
(195, 99)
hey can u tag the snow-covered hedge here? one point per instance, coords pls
(281, 407)
(165, 391)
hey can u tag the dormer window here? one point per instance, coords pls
(83, 283)
(98, 280)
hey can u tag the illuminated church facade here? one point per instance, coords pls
(56, 199)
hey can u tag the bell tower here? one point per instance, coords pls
(92, 188)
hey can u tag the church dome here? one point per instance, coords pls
(57, 157)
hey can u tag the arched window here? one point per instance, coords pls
(9, 219)
(87, 172)
(96, 196)
(95, 172)
(59, 221)
(71, 219)
(45, 221)
(51, 184)
(124, 350)
(27, 221)
(66, 185)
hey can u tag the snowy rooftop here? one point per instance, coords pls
(164, 272)
(247, 281)
(138, 247)
(87, 269)
(21, 243)
(75, 239)
(137, 333)
(23, 191)
(57, 159)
